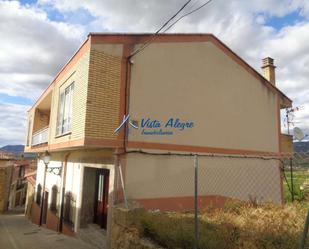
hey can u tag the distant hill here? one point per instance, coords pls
(17, 150)
(301, 146)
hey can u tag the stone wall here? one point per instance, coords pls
(29, 199)
(5, 178)
(125, 234)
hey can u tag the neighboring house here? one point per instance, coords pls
(223, 105)
(6, 169)
(18, 190)
(31, 180)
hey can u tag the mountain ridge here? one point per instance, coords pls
(19, 148)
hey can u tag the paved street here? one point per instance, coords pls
(16, 232)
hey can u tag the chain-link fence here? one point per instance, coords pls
(223, 176)
(193, 184)
(296, 177)
(296, 184)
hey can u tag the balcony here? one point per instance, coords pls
(40, 136)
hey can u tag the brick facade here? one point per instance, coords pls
(79, 76)
(103, 100)
(41, 121)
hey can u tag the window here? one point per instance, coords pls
(65, 110)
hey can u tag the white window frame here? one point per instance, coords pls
(65, 106)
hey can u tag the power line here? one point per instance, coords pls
(189, 13)
(146, 44)
(196, 1)
(162, 27)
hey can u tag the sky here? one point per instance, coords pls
(38, 38)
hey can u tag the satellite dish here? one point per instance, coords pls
(298, 134)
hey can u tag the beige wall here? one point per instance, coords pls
(152, 177)
(198, 82)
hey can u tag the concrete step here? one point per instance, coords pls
(93, 235)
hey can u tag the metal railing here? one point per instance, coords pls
(40, 136)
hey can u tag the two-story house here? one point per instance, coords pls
(182, 93)
(18, 189)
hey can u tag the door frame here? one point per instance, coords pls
(105, 191)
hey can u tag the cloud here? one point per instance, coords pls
(134, 15)
(36, 45)
(290, 47)
(12, 124)
(242, 25)
(29, 85)
(33, 48)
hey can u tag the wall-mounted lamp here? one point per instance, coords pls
(46, 158)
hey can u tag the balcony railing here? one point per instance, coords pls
(40, 136)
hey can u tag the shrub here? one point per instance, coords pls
(238, 225)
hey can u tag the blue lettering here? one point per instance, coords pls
(169, 123)
(144, 123)
(148, 123)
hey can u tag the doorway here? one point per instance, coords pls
(101, 197)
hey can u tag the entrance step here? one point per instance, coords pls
(93, 235)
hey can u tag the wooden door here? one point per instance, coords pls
(101, 197)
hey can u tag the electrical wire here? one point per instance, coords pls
(194, 4)
(262, 157)
(189, 13)
(146, 44)
(157, 32)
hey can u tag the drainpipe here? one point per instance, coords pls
(118, 152)
(127, 93)
(126, 58)
(127, 62)
(64, 173)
